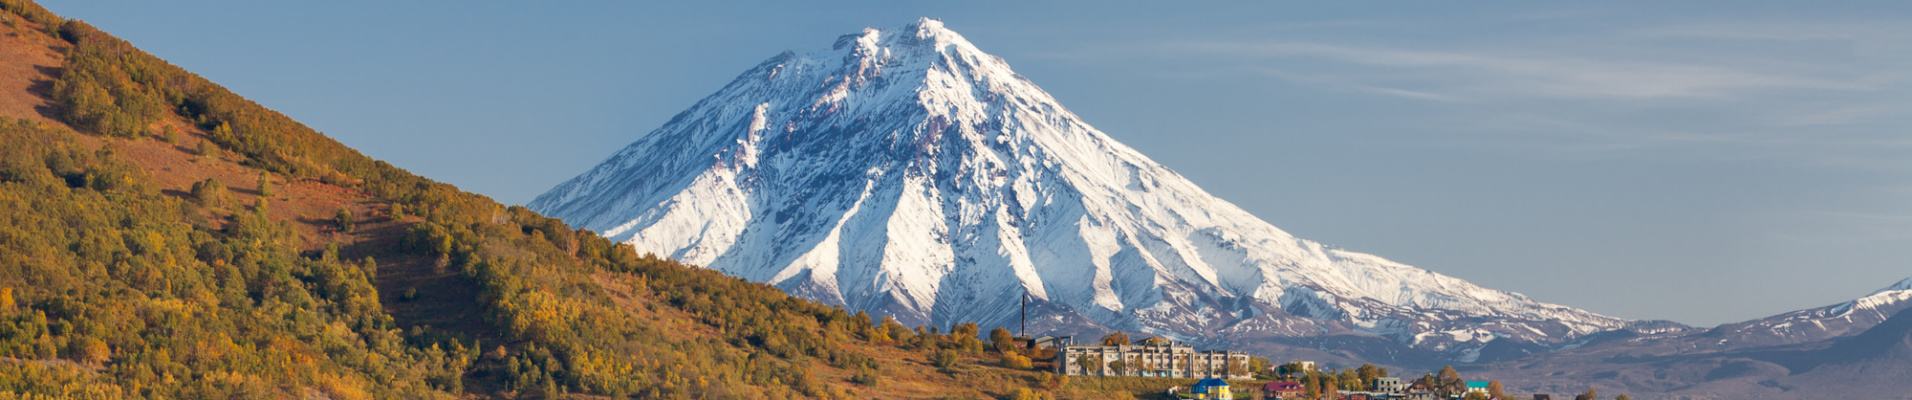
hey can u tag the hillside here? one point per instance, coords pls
(166, 238)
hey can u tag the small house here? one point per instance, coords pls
(1389, 385)
(1476, 386)
(1282, 390)
(1211, 388)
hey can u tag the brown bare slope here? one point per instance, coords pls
(28, 61)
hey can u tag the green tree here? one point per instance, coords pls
(206, 149)
(1475, 396)
(1119, 366)
(1349, 380)
(344, 220)
(1293, 369)
(265, 184)
(1091, 364)
(866, 376)
(209, 193)
(943, 359)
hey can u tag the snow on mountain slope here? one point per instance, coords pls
(907, 172)
(1843, 319)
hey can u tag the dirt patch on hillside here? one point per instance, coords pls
(29, 61)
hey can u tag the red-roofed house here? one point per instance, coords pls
(1282, 390)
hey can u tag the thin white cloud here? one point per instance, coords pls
(1557, 76)
(1408, 94)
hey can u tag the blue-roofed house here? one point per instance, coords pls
(1477, 386)
(1211, 388)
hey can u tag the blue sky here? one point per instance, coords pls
(1705, 162)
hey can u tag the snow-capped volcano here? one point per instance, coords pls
(905, 171)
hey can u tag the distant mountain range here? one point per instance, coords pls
(906, 172)
(1855, 349)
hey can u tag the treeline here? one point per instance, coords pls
(109, 289)
(538, 279)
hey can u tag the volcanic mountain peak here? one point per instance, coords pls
(907, 172)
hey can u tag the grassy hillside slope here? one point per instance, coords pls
(162, 237)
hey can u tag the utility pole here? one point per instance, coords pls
(1025, 312)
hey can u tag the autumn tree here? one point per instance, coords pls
(1052, 381)
(1495, 390)
(1024, 394)
(896, 329)
(1329, 390)
(1623, 396)
(1448, 383)
(1001, 340)
(1014, 360)
(90, 351)
(1591, 394)
(1259, 366)
(1115, 339)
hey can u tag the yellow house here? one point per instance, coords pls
(1211, 388)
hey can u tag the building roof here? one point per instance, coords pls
(1282, 386)
(1204, 385)
(1476, 385)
